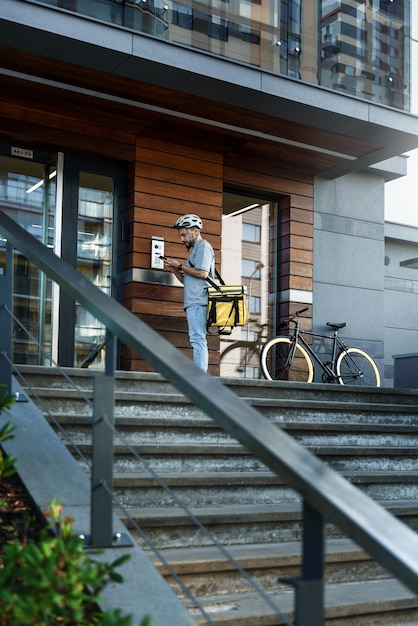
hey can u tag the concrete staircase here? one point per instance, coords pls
(370, 436)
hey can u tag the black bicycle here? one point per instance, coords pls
(292, 358)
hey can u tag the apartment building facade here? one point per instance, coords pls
(278, 122)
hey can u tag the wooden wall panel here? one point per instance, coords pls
(166, 179)
(296, 252)
(36, 116)
(170, 180)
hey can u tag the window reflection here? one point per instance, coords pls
(27, 194)
(251, 232)
(359, 47)
(94, 259)
(245, 260)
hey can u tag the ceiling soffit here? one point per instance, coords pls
(269, 116)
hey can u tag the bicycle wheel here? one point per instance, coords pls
(235, 360)
(355, 367)
(277, 363)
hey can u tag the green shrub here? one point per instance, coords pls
(7, 463)
(53, 581)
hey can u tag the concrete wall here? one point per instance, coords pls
(401, 244)
(349, 259)
(358, 276)
(401, 294)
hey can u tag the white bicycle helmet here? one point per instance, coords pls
(188, 221)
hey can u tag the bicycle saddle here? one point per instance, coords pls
(337, 325)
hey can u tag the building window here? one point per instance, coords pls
(248, 269)
(218, 28)
(251, 372)
(312, 36)
(182, 16)
(255, 305)
(251, 232)
(245, 33)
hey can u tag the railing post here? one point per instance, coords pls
(110, 354)
(6, 322)
(101, 515)
(102, 463)
(309, 600)
(309, 588)
(102, 450)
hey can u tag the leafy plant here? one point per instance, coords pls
(7, 463)
(6, 434)
(54, 581)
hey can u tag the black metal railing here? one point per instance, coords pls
(98, 401)
(325, 493)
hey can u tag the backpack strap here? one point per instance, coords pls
(210, 281)
(219, 277)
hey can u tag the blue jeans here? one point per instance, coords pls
(196, 320)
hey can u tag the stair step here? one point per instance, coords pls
(369, 435)
(156, 402)
(280, 511)
(210, 558)
(139, 420)
(208, 570)
(363, 600)
(220, 479)
(234, 487)
(216, 457)
(235, 448)
(169, 526)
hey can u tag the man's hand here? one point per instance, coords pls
(172, 264)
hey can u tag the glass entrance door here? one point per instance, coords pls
(28, 195)
(69, 205)
(94, 260)
(91, 192)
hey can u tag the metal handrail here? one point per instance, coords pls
(102, 532)
(324, 491)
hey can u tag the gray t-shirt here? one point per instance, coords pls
(201, 257)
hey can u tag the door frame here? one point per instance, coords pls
(71, 171)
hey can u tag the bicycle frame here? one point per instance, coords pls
(328, 367)
(293, 358)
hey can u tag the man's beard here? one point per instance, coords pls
(191, 243)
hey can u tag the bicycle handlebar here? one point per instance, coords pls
(291, 319)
